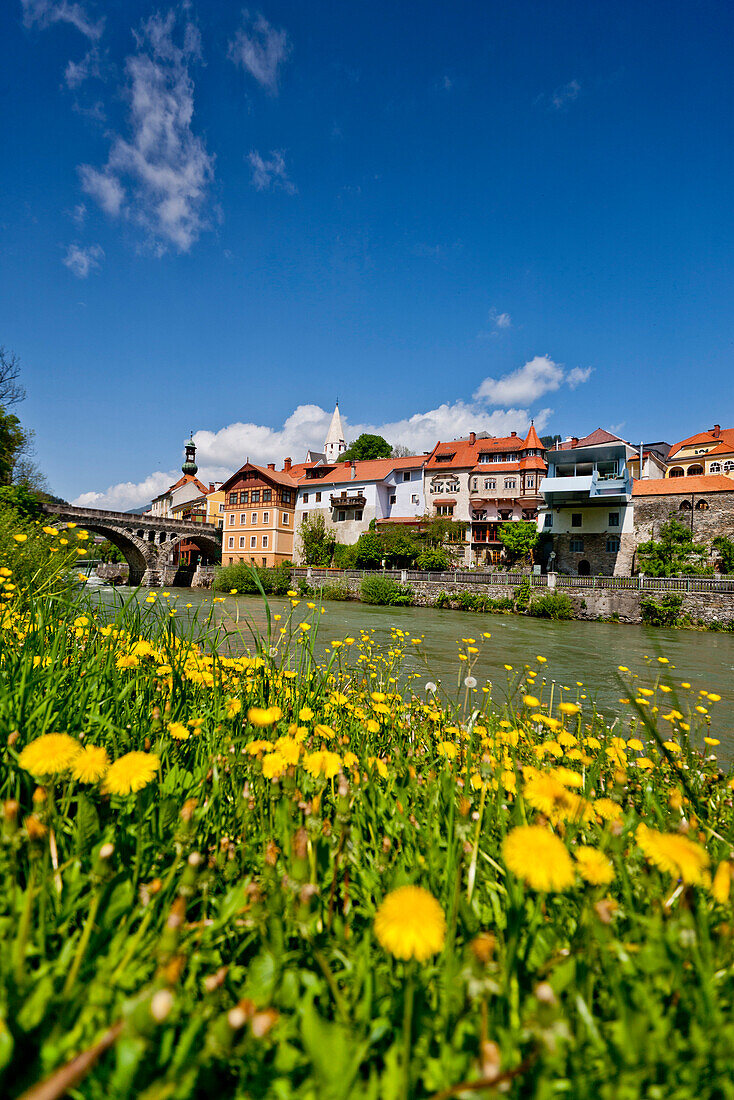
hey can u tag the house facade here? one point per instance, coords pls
(482, 482)
(709, 453)
(587, 509)
(350, 495)
(259, 514)
(186, 490)
(703, 503)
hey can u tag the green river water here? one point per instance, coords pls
(574, 651)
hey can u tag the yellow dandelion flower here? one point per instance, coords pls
(20, 537)
(607, 809)
(274, 764)
(178, 731)
(544, 793)
(721, 885)
(90, 764)
(324, 731)
(410, 924)
(538, 857)
(531, 701)
(131, 773)
(674, 853)
(569, 708)
(323, 763)
(51, 754)
(593, 866)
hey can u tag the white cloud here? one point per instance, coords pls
(501, 320)
(128, 494)
(524, 385)
(565, 95)
(260, 49)
(270, 173)
(158, 178)
(81, 261)
(45, 13)
(77, 72)
(578, 375)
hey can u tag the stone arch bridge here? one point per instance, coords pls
(146, 542)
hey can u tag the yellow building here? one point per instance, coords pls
(710, 452)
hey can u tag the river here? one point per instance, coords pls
(574, 651)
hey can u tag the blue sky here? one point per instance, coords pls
(452, 216)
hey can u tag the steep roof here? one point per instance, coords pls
(724, 442)
(278, 477)
(463, 453)
(183, 481)
(532, 439)
(683, 486)
(595, 439)
(335, 433)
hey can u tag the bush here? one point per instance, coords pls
(433, 559)
(275, 582)
(666, 612)
(522, 594)
(345, 557)
(383, 590)
(336, 591)
(553, 605)
(442, 600)
(36, 555)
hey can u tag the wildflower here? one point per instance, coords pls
(305, 714)
(274, 764)
(131, 773)
(323, 763)
(51, 754)
(178, 731)
(535, 855)
(372, 726)
(410, 924)
(430, 687)
(569, 708)
(233, 707)
(324, 731)
(673, 853)
(90, 764)
(470, 682)
(607, 809)
(20, 537)
(721, 885)
(593, 866)
(531, 701)
(544, 793)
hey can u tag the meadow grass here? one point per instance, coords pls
(204, 877)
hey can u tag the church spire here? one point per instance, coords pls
(334, 444)
(189, 466)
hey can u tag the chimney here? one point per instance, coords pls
(513, 434)
(472, 437)
(354, 470)
(211, 486)
(287, 464)
(574, 441)
(271, 465)
(717, 431)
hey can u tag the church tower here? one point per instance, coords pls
(189, 466)
(335, 445)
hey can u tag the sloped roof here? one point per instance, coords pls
(595, 439)
(725, 440)
(278, 477)
(464, 454)
(183, 480)
(532, 439)
(335, 433)
(683, 486)
(373, 469)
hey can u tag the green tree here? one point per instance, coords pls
(12, 441)
(674, 551)
(434, 559)
(370, 551)
(725, 547)
(108, 552)
(366, 446)
(519, 538)
(317, 544)
(399, 548)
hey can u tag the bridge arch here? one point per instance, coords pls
(209, 547)
(134, 550)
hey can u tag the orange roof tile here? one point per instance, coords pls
(280, 477)
(372, 469)
(532, 439)
(597, 437)
(673, 486)
(725, 438)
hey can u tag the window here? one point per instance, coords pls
(284, 518)
(614, 519)
(221, 507)
(243, 539)
(286, 496)
(266, 518)
(220, 524)
(358, 515)
(267, 494)
(576, 546)
(233, 498)
(265, 542)
(255, 496)
(729, 466)
(231, 519)
(393, 500)
(230, 542)
(684, 506)
(474, 484)
(318, 498)
(677, 471)
(548, 521)
(576, 519)
(244, 497)
(701, 505)
(415, 499)
(612, 544)
(305, 498)
(265, 561)
(243, 519)
(510, 483)
(253, 518)
(696, 470)
(490, 483)
(715, 468)
(530, 482)
(341, 516)
(253, 541)
(406, 475)
(444, 509)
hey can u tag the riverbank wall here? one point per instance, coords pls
(624, 605)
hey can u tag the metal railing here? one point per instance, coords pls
(717, 584)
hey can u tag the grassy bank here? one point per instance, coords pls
(271, 876)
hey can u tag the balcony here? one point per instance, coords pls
(348, 500)
(589, 488)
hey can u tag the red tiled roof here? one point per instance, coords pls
(725, 438)
(533, 440)
(279, 477)
(374, 469)
(684, 486)
(184, 481)
(597, 437)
